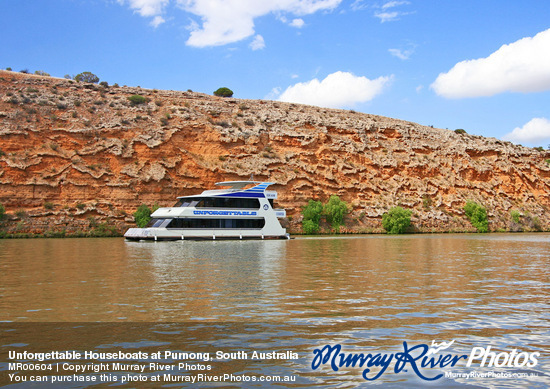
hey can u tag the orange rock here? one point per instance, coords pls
(93, 155)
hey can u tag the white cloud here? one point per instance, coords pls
(298, 23)
(389, 16)
(401, 54)
(358, 5)
(157, 21)
(147, 8)
(535, 131)
(228, 21)
(391, 4)
(337, 90)
(258, 43)
(521, 66)
(273, 94)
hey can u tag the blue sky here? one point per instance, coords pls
(483, 65)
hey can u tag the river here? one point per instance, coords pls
(379, 295)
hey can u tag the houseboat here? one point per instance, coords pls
(243, 210)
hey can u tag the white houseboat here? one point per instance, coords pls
(244, 210)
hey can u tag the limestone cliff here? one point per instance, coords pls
(74, 154)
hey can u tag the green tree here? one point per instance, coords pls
(2, 212)
(396, 220)
(142, 216)
(87, 77)
(312, 215)
(223, 92)
(310, 227)
(477, 216)
(335, 210)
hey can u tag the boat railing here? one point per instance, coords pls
(219, 191)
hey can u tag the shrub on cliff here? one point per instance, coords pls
(87, 77)
(137, 99)
(335, 210)
(2, 212)
(104, 230)
(515, 223)
(477, 216)
(396, 220)
(312, 215)
(223, 92)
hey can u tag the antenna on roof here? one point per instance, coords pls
(252, 177)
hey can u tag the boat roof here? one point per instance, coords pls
(237, 189)
(237, 184)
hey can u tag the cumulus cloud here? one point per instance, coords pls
(521, 66)
(258, 43)
(228, 21)
(337, 90)
(534, 131)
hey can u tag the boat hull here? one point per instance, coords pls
(158, 234)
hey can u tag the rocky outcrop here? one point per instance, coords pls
(74, 154)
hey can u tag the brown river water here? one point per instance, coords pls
(301, 305)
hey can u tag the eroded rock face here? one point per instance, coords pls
(74, 154)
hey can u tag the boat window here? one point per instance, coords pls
(228, 202)
(216, 223)
(187, 202)
(155, 222)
